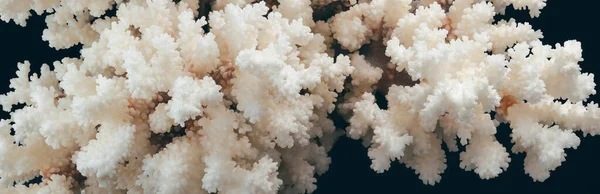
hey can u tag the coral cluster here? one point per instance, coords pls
(236, 96)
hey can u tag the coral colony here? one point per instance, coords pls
(236, 96)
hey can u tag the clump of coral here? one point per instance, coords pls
(236, 96)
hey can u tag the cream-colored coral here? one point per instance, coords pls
(167, 98)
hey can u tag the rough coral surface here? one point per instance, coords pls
(237, 96)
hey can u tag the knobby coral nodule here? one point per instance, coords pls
(164, 100)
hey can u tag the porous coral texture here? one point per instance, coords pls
(168, 97)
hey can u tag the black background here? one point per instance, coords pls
(350, 171)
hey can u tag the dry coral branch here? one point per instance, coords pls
(164, 100)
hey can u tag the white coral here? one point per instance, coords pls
(250, 100)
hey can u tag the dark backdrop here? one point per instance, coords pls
(350, 171)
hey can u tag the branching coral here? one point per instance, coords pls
(164, 100)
